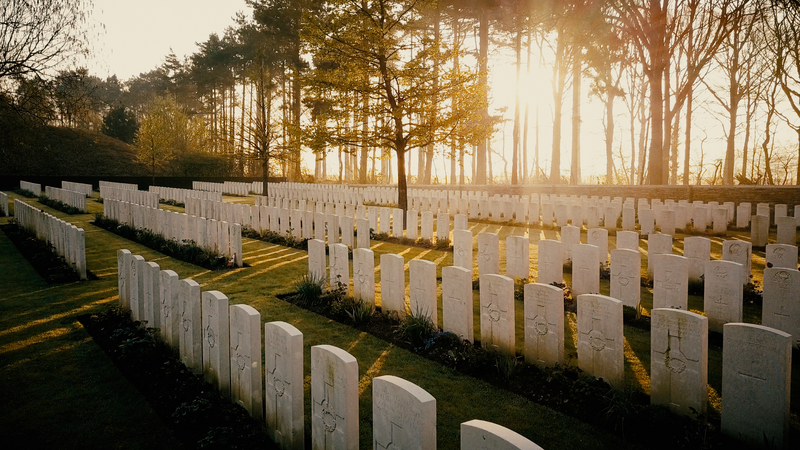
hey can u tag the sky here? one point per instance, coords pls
(138, 35)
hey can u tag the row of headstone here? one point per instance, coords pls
(144, 198)
(114, 185)
(35, 188)
(223, 342)
(71, 198)
(67, 240)
(180, 195)
(227, 187)
(327, 193)
(216, 236)
(679, 338)
(4, 204)
(84, 188)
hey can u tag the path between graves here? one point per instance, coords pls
(78, 399)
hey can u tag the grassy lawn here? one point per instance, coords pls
(54, 376)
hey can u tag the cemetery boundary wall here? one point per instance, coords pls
(9, 183)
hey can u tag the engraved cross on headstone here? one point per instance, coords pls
(389, 445)
(325, 411)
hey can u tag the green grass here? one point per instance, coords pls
(273, 270)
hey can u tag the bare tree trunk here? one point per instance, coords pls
(577, 79)
(515, 138)
(558, 102)
(481, 153)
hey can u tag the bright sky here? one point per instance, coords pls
(139, 34)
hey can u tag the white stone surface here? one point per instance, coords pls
(657, 244)
(782, 302)
(216, 335)
(600, 339)
(628, 240)
(364, 275)
(462, 249)
(550, 262)
(626, 276)
(722, 293)
(481, 435)
(670, 282)
(497, 313)
(339, 267)
(422, 289)
(518, 256)
(585, 270)
(403, 415)
(759, 230)
(787, 230)
(738, 251)
(283, 392)
(697, 250)
(781, 256)
(570, 237)
(488, 253)
(245, 354)
(191, 337)
(170, 299)
(544, 324)
(679, 361)
(334, 399)
(756, 380)
(317, 269)
(457, 303)
(123, 278)
(393, 284)
(599, 238)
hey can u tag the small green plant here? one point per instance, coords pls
(443, 244)
(25, 193)
(172, 202)
(360, 312)
(619, 407)
(309, 289)
(58, 205)
(506, 366)
(752, 294)
(417, 328)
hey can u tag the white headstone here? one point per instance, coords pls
(585, 270)
(759, 230)
(403, 415)
(697, 250)
(787, 230)
(570, 237)
(738, 251)
(626, 276)
(123, 278)
(364, 275)
(457, 303)
(599, 238)
(393, 284)
(422, 289)
(481, 435)
(191, 337)
(245, 354)
(544, 324)
(722, 294)
(216, 359)
(550, 262)
(316, 260)
(334, 398)
(628, 240)
(600, 339)
(756, 383)
(518, 256)
(497, 313)
(339, 267)
(488, 253)
(462, 249)
(283, 369)
(679, 361)
(170, 298)
(781, 256)
(670, 282)
(782, 302)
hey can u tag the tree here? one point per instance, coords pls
(370, 41)
(36, 37)
(167, 134)
(120, 123)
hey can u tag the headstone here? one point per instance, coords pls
(628, 240)
(518, 256)
(497, 313)
(480, 435)
(759, 230)
(679, 361)
(137, 282)
(339, 267)
(782, 302)
(657, 244)
(170, 298)
(626, 275)
(646, 222)
(700, 218)
(462, 249)
(397, 222)
(346, 225)
(427, 225)
(738, 251)
(283, 369)
(364, 275)
(756, 383)
(719, 220)
(362, 233)
(245, 354)
(628, 219)
(216, 359)
(722, 293)
(697, 250)
(570, 237)
(781, 256)
(403, 415)
(544, 324)
(600, 339)
(550, 262)
(743, 215)
(488, 253)
(393, 284)
(334, 398)
(442, 226)
(319, 226)
(460, 222)
(585, 270)
(787, 230)
(316, 260)
(422, 289)
(670, 282)
(123, 278)
(385, 220)
(666, 221)
(457, 303)
(599, 238)
(412, 225)
(191, 337)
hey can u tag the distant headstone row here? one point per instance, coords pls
(4, 204)
(85, 189)
(67, 239)
(144, 198)
(228, 187)
(113, 185)
(35, 188)
(223, 342)
(180, 195)
(221, 237)
(71, 198)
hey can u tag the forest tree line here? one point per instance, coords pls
(375, 83)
